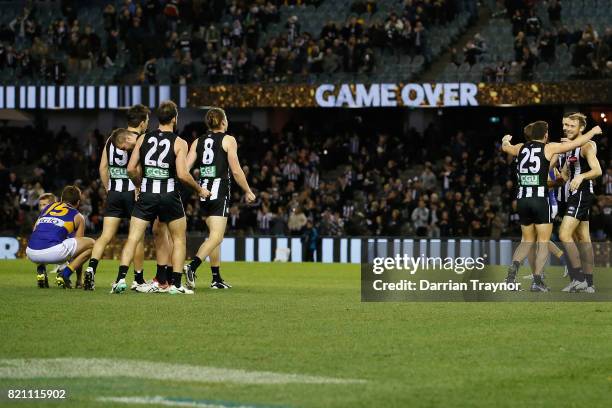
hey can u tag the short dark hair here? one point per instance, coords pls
(536, 130)
(214, 117)
(166, 111)
(71, 195)
(119, 135)
(137, 114)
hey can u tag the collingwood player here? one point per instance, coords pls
(157, 164)
(215, 154)
(534, 207)
(121, 193)
(580, 167)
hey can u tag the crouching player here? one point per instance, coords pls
(58, 236)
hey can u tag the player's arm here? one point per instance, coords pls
(589, 151)
(509, 148)
(133, 169)
(180, 150)
(79, 225)
(552, 148)
(104, 168)
(192, 155)
(231, 147)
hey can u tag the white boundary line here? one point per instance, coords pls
(170, 403)
(99, 368)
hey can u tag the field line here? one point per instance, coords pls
(100, 367)
(169, 402)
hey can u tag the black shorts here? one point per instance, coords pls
(579, 205)
(534, 210)
(165, 206)
(119, 204)
(215, 208)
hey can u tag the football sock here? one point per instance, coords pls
(589, 279)
(66, 272)
(79, 273)
(93, 263)
(169, 274)
(41, 269)
(139, 277)
(123, 270)
(579, 275)
(160, 276)
(537, 279)
(216, 274)
(177, 278)
(195, 263)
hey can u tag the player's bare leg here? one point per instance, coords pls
(177, 230)
(110, 225)
(82, 253)
(587, 257)
(136, 235)
(527, 244)
(568, 228)
(543, 232)
(163, 255)
(216, 228)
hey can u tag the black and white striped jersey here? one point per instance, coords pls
(158, 162)
(577, 165)
(532, 171)
(212, 162)
(561, 193)
(117, 168)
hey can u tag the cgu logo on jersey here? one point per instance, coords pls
(118, 172)
(208, 171)
(156, 173)
(50, 220)
(530, 180)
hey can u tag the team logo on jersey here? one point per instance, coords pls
(156, 173)
(208, 171)
(530, 180)
(118, 172)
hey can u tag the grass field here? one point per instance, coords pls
(305, 320)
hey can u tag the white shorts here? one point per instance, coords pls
(56, 254)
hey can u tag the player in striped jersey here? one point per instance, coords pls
(157, 164)
(121, 193)
(580, 168)
(216, 154)
(534, 163)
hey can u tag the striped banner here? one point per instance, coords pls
(89, 96)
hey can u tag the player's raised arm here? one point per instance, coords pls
(192, 155)
(509, 148)
(180, 150)
(231, 147)
(552, 148)
(133, 169)
(589, 151)
(104, 167)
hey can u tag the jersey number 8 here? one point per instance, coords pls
(209, 154)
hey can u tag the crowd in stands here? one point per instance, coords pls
(585, 49)
(357, 182)
(177, 41)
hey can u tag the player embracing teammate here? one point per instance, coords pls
(534, 161)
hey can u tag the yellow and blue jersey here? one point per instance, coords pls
(55, 223)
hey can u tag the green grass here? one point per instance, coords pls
(308, 319)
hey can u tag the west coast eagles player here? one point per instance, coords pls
(215, 154)
(58, 236)
(533, 165)
(121, 195)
